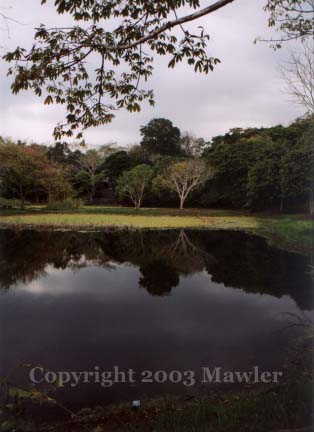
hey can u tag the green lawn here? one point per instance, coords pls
(35, 209)
(294, 233)
(291, 232)
(80, 220)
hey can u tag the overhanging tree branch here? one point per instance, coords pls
(171, 24)
(58, 64)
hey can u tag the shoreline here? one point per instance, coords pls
(293, 233)
(176, 413)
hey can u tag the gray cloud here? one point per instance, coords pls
(244, 90)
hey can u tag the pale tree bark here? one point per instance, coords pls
(89, 163)
(136, 195)
(141, 194)
(184, 177)
(298, 74)
(181, 203)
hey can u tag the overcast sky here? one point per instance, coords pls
(244, 90)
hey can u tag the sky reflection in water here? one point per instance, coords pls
(148, 301)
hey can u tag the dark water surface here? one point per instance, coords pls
(155, 300)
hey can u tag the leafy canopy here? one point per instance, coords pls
(159, 136)
(27, 169)
(134, 183)
(90, 170)
(96, 66)
(267, 168)
(115, 164)
(293, 19)
(182, 177)
(122, 36)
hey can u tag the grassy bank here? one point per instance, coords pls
(292, 232)
(282, 408)
(289, 232)
(286, 407)
(127, 221)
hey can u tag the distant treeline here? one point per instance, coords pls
(258, 169)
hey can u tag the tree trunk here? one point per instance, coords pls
(92, 193)
(22, 198)
(182, 203)
(311, 202)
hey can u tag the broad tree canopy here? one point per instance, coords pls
(161, 137)
(134, 183)
(182, 177)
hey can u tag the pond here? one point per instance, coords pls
(147, 301)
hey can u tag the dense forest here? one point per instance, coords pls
(259, 169)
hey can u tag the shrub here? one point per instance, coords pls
(67, 204)
(9, 203)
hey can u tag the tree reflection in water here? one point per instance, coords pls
(234, 259)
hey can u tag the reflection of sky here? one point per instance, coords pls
(98, 283)
(77, 319)
(86, 309)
